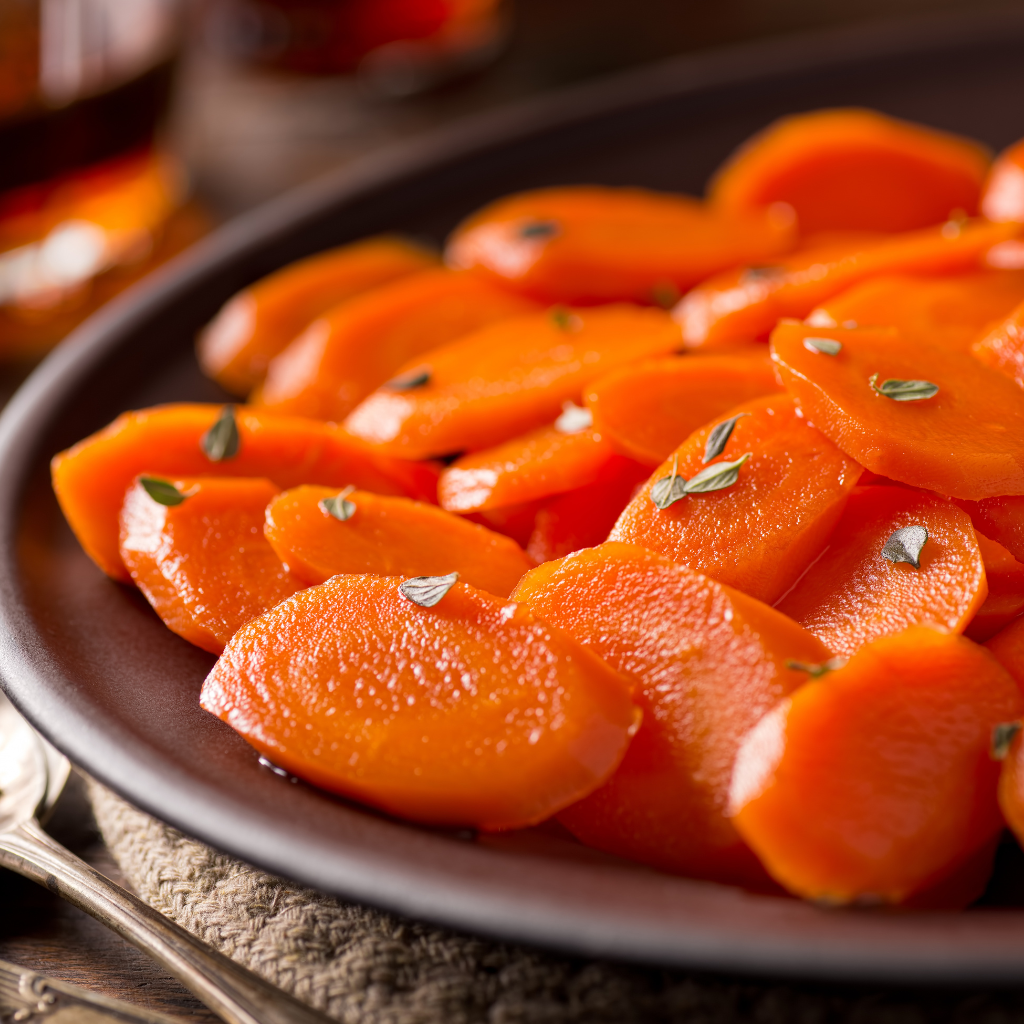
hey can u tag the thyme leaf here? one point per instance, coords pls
(564, 320)
(163, 492)
(426, 591)
(408, 381)
(1002, 736)
(339, 506)
(716, 477)
(222, 441)
(816, 671)
(827, 346)
(719, 437)
(904, 390)
(905, 544)
(669, 489)
(539, 229)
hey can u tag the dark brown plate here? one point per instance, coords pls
(91, 666)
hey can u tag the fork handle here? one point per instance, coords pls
(231, 991)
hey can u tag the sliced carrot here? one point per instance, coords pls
(999, 519)
(258, 322)
(759, 533)
(853, 168)
(319, 533)
(584, 517)
(90, 478)
(965, 439)
(646, 411)
(1002, 347)
(587, 244)
(876, 782)
(1007, 647)
(1005, 599)
(1003, 196)
(506, 379)
(746, 303)
(203, 563)
(358, 345)
(470, 712)
(856, 591)
(537, 465)
(950, 311)
(1011, 778)
(515, 521)
(708, 662)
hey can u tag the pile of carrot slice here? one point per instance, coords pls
(693, 525)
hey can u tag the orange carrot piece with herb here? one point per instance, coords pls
(646, 411)
(469, 712)
(747, 303)
(866, 584)
(505, 379)
(195, 548)
(949, 311)
(764, 516)
(320, 532)
(708, 662)
(259, 321)
(917, 413)
(1005, 601)
(90, 478)
(1002, 347)
(875, 782)
(352, 349)
(850, 168)
(584, 517)
(1002, 198)
(588, 244)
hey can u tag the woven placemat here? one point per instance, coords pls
(363, 966)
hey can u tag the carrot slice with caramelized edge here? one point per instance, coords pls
(1003, 196)
(850, 168)
(203, 562)
(948, 311)
(1002, 347)
(917, 413)
(258, 322)
(708, 662)
(647, 411)
(1005, 601)
(358, 345)
(589, 244)
(90, 478)
(876, 781)
(320, 533)
(865, 584)
(746, 303)
(537, 465)
(506, 379)
(773, 515)
(471, 711)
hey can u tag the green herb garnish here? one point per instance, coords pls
(904, 390)
(719, 438)
(222, 441)
(426, 591)
(409, 381)
(1002, 736)
(827, 346)
(539, 229)
(816, 671)
(163, 492)
(670, 489)
(339, 506)
(905, 544)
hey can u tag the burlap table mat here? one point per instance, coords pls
(363, 966)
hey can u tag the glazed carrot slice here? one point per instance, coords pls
(646, 411)
(1002, 347)
(258, 322)
(506, 379)
(865, 584)
(90, 478)
(999, 519)
(746, 303)
(588, 244)
(951, 426)
(203, 562)
(708, 662)
(854, 168)
(1011, 778)
(584, 517)
(358, 345)
(470, 712)
(547, 461)
(949, 311)
(1005, 601)
(319, 534)
(761, 531)
(1003, 196)
(875, 781)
